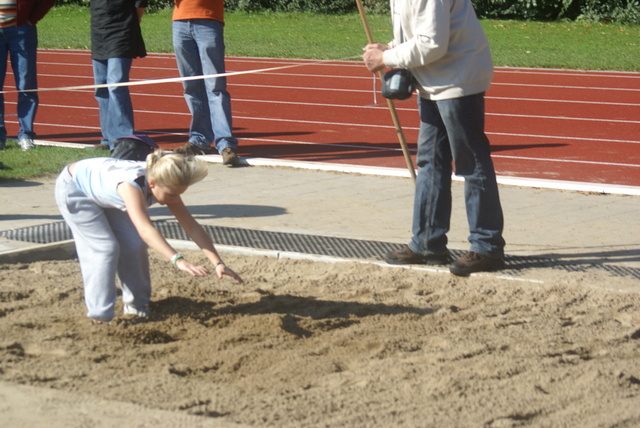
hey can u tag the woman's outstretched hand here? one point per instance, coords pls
(222, 269)
(197, 270)
(190, 268)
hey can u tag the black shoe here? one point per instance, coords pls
(404, 256)
(473, 262)
(190, 149)
(230, 157)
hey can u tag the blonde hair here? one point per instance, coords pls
(174, 170)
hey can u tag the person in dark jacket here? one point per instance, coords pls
(19, 42)
(116, 38)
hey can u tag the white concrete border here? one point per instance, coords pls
(65, 250)
(576, 186)
(288, 255)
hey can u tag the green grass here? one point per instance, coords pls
(42, 161)
(301, 35)
(573, 45)
(65, 27)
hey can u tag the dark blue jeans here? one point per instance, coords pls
(116, 110)
(20, 44)
(452, 132)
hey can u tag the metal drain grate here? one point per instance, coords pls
(42, 234)
(290, 242)
(312, 244)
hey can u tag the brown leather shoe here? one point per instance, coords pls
(230, 157)
(473, 262)
(404, 256)
(190, 149)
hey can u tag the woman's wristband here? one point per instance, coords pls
(175, 258)
(218, 264)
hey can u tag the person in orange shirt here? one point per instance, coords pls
(198, 42)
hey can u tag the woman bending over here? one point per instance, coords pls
(104, 201)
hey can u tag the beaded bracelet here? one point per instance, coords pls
(175, 258)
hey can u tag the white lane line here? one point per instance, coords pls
(585, 119)
(357, 63)
(557, 137)
(560, 72)
(339, 76)
(137, 91)
(378, 106)
(324, 123)
(397, 149)
(398, 105)
(556, 160)
(597, 88)
(566, 101)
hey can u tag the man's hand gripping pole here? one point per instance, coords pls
(392, 107)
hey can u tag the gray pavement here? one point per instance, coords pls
(294, 197)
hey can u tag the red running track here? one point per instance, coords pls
(579, 126)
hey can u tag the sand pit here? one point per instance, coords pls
(316, 344)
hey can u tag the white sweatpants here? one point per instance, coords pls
(107, 244)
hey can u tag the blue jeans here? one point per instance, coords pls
(116, 110)
(453, 131)
(21, 45)
(199, 48)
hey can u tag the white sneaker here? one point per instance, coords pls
(26, 143)
(139, 312)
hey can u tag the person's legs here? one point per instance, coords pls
(102, 97)
(464, 120)
(189, 64)
(120, 106)
(133, 263)
(4, 52)
(97, 247)
(432, 199)
(116, 110)
(23, 49)
(209, 36)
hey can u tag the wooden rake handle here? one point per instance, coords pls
(392, 107)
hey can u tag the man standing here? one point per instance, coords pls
(19, 41)
(116, 39)
(442, 44)
(198, 42)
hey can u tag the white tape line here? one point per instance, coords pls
(154, 81)
(167, 80)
